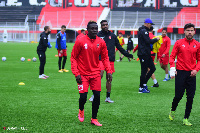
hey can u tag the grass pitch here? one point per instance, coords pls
(52, 105)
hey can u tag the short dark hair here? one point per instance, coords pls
(164, 29)
(91, 22)
(63, 26)
(120, 33)
(46, 28)
(103, 21)
(189, 25)
(82, 30)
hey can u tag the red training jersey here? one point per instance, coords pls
(85, 56)
(188, 53)
(165, 47)
(79, 36)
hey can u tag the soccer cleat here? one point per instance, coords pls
(91, 98)
(60, 71)
(95, 122)
(186, 122)
(155, 85)
(81, 115)
(42, 77)
(146, 88)
(64, 70)
(171, 115)
(45, 76)
(166, 79)
(143, 90)
(109, 100)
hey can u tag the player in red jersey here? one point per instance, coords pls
(81, 35)
(163, 55)
(187, 51)
(86, 68)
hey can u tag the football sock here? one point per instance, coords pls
(166, 76)
(108, 94)
(64, 61)
(82, 100)
(59, 63)
(168, 72)
(155, 81)
(95, 104)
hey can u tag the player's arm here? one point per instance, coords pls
(105, 60)
(123, 41)
(194, 72)
(74, 56)
(135, 49)
(168, 46)
(58, 41)
(147, 38)
(119, 47)
(44, 40)
(173, 55)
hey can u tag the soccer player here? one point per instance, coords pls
(163, 55)
(81, 35)
(62, 49)
(86, 68)
(144, 54)
(121, 42)
(41, 49)
(129, 47)
(111, 42)
(187, 51)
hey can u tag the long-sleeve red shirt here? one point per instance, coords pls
(188, 53)
(79, 36)
(85, 56)
(165, 47)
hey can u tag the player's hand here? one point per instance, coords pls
(109, 77)
(61, 51)
(78, 79)
(193, 73)
(163, 55)
(102, 71)
(158, 38)
(173, 72)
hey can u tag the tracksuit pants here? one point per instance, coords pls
(183, 81)
(42, 57)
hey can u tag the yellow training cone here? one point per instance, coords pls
(21, 83)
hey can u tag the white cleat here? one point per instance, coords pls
(91, 98)
(109, 100)
(45, 76)
(42, 77)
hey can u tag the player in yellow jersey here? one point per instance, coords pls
(121, 42)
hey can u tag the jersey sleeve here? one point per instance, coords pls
(147, 38)
(173, 54)
(136, 48)
(105, 58)
(168, 46)
(58, 41)
(44, 40)
(198, 58)
(74, 57)
(119, 47)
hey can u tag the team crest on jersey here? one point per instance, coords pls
(86, 46)
(194, 46)
(183, 45)
(97, 45)
(109, 37)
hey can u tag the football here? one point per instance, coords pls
(22, 59)
(3, 58)
(34, 59)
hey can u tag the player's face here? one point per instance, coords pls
(189, 33)
(104, 26)
(92, 30)
(49, 30)
(63, 29)
(120, 35)
(164, 33)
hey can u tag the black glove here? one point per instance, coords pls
(78, 79)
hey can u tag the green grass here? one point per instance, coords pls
(52, 105)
